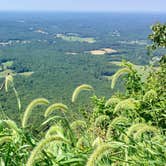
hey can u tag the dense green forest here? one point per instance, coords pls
(128, 128)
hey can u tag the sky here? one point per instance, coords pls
(84, 5)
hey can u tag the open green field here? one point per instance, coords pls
(76, 38)
(5, 70)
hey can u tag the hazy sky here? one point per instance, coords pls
(84, 5)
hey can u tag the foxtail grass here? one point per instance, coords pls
(12, 125)
(102, 150)
(41, 145)
(9, 82)
(102, 120)
(82, 143)
(118, 74)
(56, 106)
(112, 101)
(52, 120)
(78, 124)
(5, 139)
(98, 141)
(34, 103)
(148, 129)
(133, 129)
(150, 96)
(83, 87)
(116, 121)
(127, 104)
(55, 130)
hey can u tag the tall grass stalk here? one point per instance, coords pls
(83, 87)
(34, 103)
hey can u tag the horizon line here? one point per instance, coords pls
(83, 11)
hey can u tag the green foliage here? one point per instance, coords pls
(133, 81)
(104, 138)
(158, 36)
(100, 108)
(127, 129)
